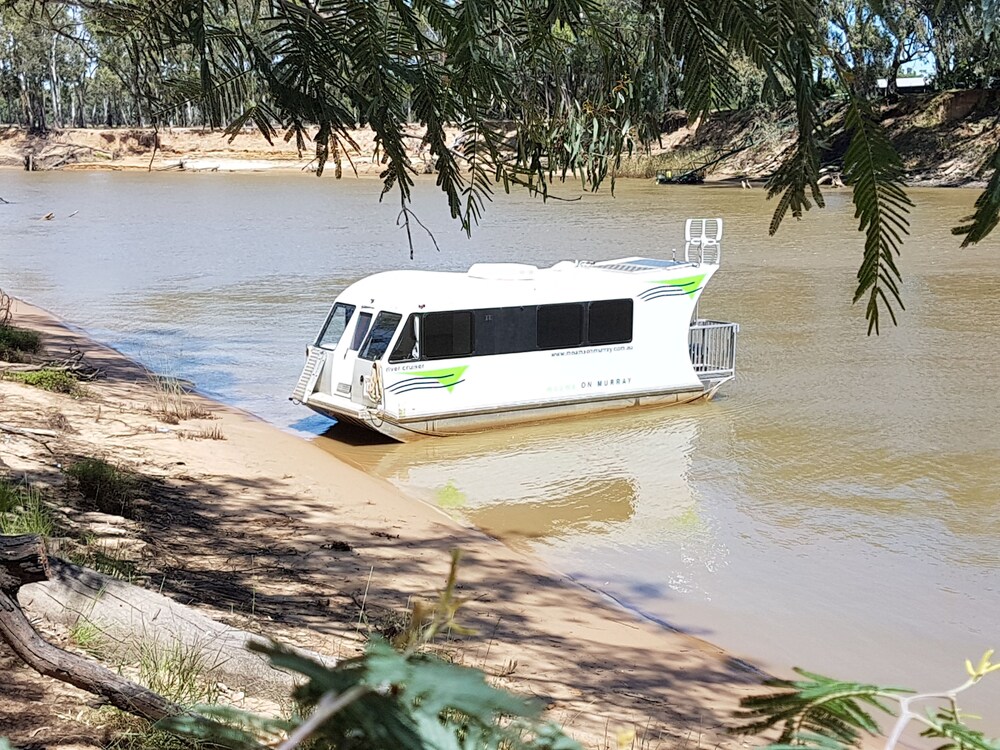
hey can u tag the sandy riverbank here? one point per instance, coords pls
(188, 149)
(266, 531)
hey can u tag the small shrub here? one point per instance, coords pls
(16, 342)
(22, 510)
(56, 420)
(58, 381)
(110, 488)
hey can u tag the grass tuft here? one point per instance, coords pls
(106, 559)
(110, 488)
(22, 510)
(210, 433)
(87, 636)
(178, 672)
(174, 403)
(58, 381)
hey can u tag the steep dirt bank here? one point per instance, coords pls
(267, 532)
(945, 139)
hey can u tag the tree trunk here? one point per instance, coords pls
(54, 85)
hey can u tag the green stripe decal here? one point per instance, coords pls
(689, 284)
(448, 378)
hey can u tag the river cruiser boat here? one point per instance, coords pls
(417, 353)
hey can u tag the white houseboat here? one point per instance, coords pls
(416, 353)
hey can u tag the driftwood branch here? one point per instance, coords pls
(22, 561)
(74, 364)
(39, 436)
(26, 431)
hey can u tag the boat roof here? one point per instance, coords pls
(511, 284)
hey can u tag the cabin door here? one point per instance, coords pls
(366, 382)
(360, 380)
(340, 363)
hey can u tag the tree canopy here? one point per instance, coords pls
(540, 89)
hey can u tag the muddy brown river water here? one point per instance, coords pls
(837, 507)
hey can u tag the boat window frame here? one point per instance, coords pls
(378, 326)
(411, 350)
(360, 333)
(616, 340)
(351, 309)
(422, 339)
(491, 334)
(557, 309)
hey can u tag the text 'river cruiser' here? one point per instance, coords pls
(414, 353)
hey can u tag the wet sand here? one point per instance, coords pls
(268, 531)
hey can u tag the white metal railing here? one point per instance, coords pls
(712, 346)
(703, 241)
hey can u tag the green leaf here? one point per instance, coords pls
(987, 214)
(875, 171)
(817, 710)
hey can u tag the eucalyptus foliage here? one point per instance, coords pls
(822, 713)
(540, 90)
(393, 696)
(386, 699)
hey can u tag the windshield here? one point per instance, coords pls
(336, 324)
(380, 336)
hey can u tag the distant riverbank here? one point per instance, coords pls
(185, 149)
(944, 139)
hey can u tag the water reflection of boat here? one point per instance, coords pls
(590, 505)
(607, 485)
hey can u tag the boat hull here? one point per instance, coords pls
(458, 423)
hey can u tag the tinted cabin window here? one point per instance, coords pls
(505, 330)
(560, 326)
(610, 322)
(364, 320)
(335, 325)
(380, 336)
(446, 334)
(406, 347)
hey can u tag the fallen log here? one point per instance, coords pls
(130, 619)
(27, 572)
(23, 561)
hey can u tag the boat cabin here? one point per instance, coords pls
(415, 353)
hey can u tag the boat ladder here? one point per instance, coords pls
(310, 374)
